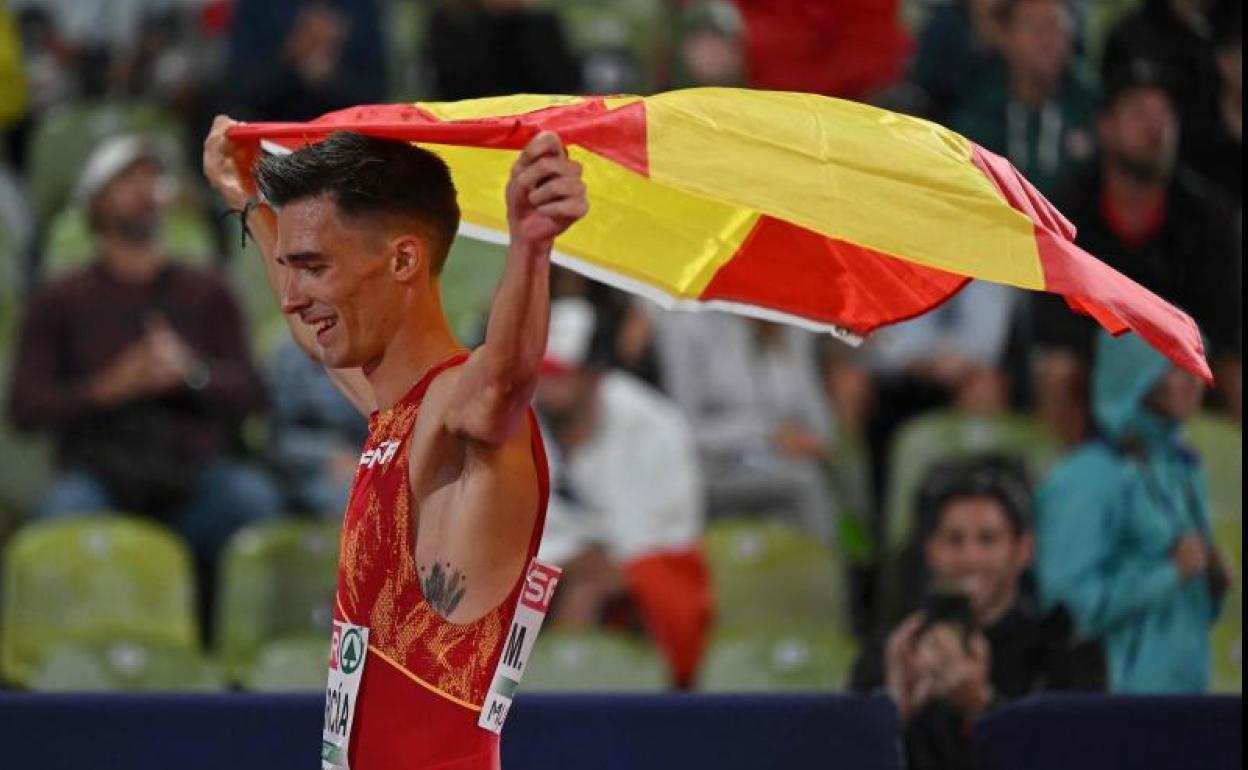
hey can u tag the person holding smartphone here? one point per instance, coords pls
(977, 640)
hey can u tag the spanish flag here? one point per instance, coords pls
(792, 207)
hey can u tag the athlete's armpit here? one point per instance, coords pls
(443, 587)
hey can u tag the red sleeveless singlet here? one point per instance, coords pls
(425, 678)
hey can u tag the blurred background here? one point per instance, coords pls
(738, 506)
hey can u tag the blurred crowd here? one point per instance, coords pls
(133, 334)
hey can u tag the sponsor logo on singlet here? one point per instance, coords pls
(539, 585)
(380, 454)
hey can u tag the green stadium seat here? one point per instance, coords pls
(940, 435)
(774, 661)
(564, 661)
(771, 575)
(186, 236)
(927, 440)
(27, 465)
(109, 597)
(275, 605)
(406, 29)
(629, 32)
(1220, 443)
(124, 666)
(472, 272)
(290, 665)
(64, 138)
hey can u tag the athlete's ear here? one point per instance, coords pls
(407, 257)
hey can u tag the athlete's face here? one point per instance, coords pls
(342, 279)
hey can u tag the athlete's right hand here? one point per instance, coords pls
(220, 166)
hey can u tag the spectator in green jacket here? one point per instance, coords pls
(1035, 106)
(1123, 527)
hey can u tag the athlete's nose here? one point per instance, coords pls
(293, 298)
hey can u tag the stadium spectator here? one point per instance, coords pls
(1218, 150)
(845, 48)
(1124, 538)
(978, 641)
(1035, 107)
(1177, 35)
(1142, 213)
(627, 503)
(958, 43)
(297, 59)
(499, 47)
(139, 366)
(316, 435)
(752, 392)
(710, 46)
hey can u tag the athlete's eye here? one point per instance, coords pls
(312, 271)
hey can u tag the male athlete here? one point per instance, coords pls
(450, 496)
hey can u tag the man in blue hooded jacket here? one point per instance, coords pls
(1123, 526)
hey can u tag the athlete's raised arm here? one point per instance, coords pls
(545, 196)
(223, 174)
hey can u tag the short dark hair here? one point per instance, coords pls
(369, 176)
(1005, 8)
(1000, 477)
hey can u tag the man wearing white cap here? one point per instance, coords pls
(627, 504)
(140, 368)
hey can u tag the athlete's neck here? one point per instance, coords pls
(423, 341)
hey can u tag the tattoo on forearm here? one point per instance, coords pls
(443, 587)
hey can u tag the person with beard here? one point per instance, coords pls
(139, 366)
(1156, 222)
(628, 503)
(978, 640)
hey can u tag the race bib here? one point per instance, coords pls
(539, 586)
(347, 654)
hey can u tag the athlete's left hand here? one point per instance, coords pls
(545, 195)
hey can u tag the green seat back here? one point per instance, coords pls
(1220, 443)
(936, 436)
(633, 28)
(592, 662)
(289, 665)
(26, 467)
(64, 138)
(277, 585)
(472, 271)
(124, 666)
(769, 574)
(185, 235)
(93, 582)
(771, 661)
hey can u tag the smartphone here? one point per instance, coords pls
(949, 608)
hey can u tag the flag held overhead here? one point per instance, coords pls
(793, 207)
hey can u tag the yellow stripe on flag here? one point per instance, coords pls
(633, 227)
(887, 182)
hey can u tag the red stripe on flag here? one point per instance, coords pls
(787, 268)
(617, 134)
(1090, 286)
(1121, 303)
